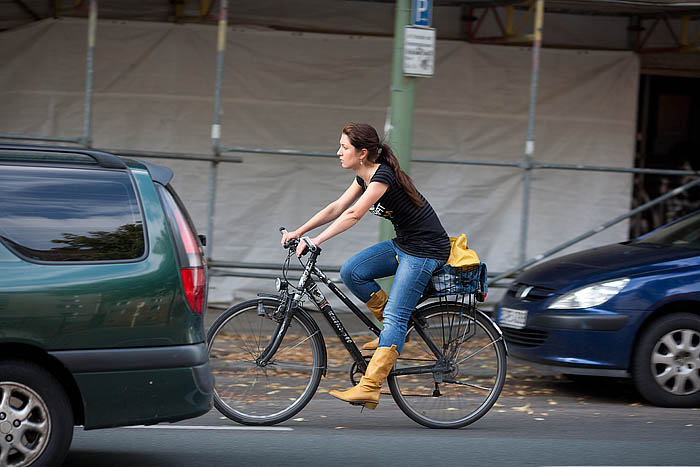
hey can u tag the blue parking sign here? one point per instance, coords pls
(422, 12)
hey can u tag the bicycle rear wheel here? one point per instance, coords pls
(252, 394)
(475, 367)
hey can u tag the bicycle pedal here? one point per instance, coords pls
(368, 405)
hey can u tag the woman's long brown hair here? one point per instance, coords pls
(364, 136)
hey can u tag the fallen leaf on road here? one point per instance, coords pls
(300, 419)
(525, 408)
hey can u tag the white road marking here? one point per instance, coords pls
(202, 427)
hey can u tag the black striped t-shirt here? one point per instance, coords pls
(418, 229)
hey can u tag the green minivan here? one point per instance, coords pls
(102, 292)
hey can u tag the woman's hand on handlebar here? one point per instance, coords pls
(287, 236)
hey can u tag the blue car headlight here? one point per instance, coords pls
(589, 296)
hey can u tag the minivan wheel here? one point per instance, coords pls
(36, 419)
(666, 367)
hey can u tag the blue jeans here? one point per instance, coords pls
(411, 276)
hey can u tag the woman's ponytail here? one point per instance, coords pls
(386, 156)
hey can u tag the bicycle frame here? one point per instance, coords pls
(307, 285)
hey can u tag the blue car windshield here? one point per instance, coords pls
(685, 233)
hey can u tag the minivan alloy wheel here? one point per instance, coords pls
(675, 362)
(25, 424)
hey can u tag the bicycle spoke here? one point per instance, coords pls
(476, 386)
(478, 351)
(289, 348)
(245, 344)
(257, 338)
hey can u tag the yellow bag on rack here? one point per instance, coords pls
(460, 254)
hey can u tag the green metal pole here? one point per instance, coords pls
(399, 128)
(399, 131)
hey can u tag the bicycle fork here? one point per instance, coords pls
(280, 331)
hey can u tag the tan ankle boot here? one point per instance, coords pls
(366, 392)
(376, 304)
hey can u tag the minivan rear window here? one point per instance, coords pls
(68, 215)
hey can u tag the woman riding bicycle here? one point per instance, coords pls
(421, 246)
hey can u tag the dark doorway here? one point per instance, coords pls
(669, 138)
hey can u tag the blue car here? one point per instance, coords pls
(630, 309)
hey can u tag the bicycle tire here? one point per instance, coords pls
(248, 393)
(477, 377)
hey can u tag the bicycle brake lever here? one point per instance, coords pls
(309, 243)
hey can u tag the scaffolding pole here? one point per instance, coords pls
(216, 125)
(530, 143)
(86, 139)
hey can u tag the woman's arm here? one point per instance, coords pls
(327, 214)
(350, 216)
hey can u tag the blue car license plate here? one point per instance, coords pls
(513, 318)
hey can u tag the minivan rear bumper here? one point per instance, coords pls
(144, 385)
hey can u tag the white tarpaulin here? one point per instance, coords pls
(154, 87)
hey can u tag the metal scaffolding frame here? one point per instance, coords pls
(511, 33)
(216, 157)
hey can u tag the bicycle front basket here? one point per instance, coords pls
(459, 281)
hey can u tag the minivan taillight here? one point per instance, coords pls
(192, 273)
(193, 282)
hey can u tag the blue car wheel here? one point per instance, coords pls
(666, 367)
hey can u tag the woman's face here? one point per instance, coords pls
(347, 153)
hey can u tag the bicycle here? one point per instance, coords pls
(268, 354)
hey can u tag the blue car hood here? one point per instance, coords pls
(606, 262)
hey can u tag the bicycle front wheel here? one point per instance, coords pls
(249, 393)
(472, 373)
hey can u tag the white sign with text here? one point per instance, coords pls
(419, 51)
